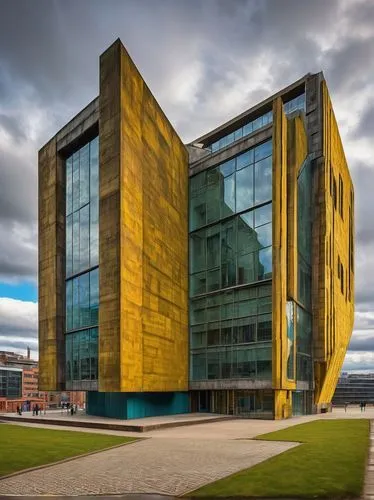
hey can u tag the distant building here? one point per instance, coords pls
(354, 388)
(19, 384)
(214, 276)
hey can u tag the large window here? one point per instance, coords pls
(10, 382)
(304, 233)
(231, 334)
(82, 259)
(232, 187)
(290, 106)
(230, 247)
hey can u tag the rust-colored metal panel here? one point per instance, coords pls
(51, 269)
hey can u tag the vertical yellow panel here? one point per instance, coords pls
(143, 312)
(296, 154)
(280, 343)
(335, 312)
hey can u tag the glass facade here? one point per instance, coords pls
(10, 383)
(304, 365)
(231, 247)
(82, 259)
(263, 120)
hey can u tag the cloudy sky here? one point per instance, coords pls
(205, 61)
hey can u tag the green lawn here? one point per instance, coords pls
(24, 447)
(330, 463)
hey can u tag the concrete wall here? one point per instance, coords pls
(143, 236)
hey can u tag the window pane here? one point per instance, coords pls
(213, 282)
(213, 195)
(246, 268)
(198, 336)
(76, 262)
(228, 202)
(76, 316)
(197, 311)
(257, 123)
(263, 180)
(264, 328)
(198, 201)
(199, 366)
(84, 299)
(263, 150)
(198, 283)
(213, 365)
(94, 297)
(84, 354)
(227, 168)
(94, 203)
(244, 330)
(84, 174)
(76, 197)
(247, 129)
(264, 235)
(247, 238)
(69, 245)
(94, 342)
(69, 305)
(214, 334)
(76, 371)
(263, 215)
(244, 188)
(69, 186)
(265, 264)
(213, 254)
(69, 357)
(84, 238)
(228, 253)
(226, 332)
(198, 251)
(245, 159)
(238, 134)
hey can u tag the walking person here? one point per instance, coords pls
(361, 406)
(345, 407)
(33, 410)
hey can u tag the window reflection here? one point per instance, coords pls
(82, 254)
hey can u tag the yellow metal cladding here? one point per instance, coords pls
(143, 236)
(333, 299)
(281, 384)
(296, 154)
(51, 268)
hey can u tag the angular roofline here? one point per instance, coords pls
(218, 131)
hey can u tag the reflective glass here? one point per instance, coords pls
(244, 188)
(84, 175)
(263, 215)
(69, 305)
(69, 186)
(212, 245)
(245, 159)
(263, 150)
(198, 336)
(263, 180)
(69, 245)
(84, 238)
(84, 300)
(265, 264)
(228, 205)
(94, 297)
(76, 181)
(198, 251)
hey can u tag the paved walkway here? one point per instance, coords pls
(173, 461)
(166, 466)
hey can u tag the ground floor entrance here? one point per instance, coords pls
(247, 403)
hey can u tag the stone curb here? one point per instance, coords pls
(116, 427)
(69, 459)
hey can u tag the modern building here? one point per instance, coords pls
(215, 276)
(354, 388)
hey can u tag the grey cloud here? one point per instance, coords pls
(362, 343)
(365, 128)
(12, 126)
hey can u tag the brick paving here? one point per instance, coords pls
(165, 466)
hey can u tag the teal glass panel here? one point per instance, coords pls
(290, 340)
